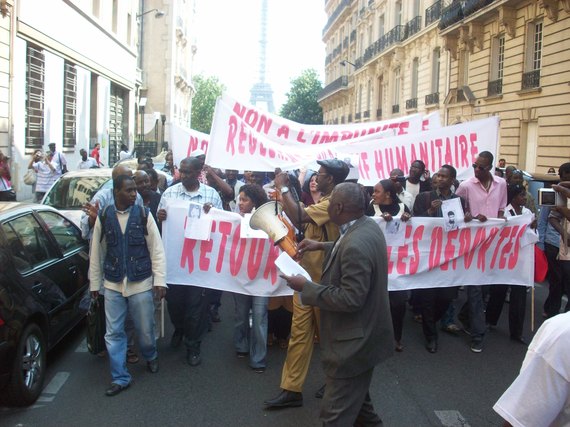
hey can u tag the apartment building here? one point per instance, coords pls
(467, 59)
(511, 58)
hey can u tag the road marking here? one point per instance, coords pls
(451, 419)
(82, 347)
(54, 385)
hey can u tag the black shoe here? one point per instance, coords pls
(116, 389)
(320, 392)
(241, 354)
(176, 339)
(193, 359)
(285, 399)
(259, 370)
(152, 366)
(431, 346)
(214, 315)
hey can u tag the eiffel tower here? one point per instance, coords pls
(261, 92)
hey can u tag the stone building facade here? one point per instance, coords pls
(467, 59)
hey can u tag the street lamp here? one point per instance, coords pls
(158, 13)
(346, 61)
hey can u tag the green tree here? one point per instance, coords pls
(208, 89)
(301, 105)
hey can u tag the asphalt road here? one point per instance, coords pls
(453, 387)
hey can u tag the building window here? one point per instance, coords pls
(398, 13)
(396, 94)
(497, 62)
(369, 95)
(381, 26)
(415, 71)
(531, 77)
(69, 105)
(435, 63)
(35, 80)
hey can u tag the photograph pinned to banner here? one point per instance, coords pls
(246, 232)
(197, 225)
(452, 213)
(395, 232)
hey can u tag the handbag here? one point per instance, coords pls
(30, 177)
(96, 325)
(540, 265)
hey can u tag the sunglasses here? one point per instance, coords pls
(482, 168)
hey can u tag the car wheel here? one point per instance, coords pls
(28, 373)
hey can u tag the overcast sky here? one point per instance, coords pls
(227, 38)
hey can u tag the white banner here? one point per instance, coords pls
(244, 137)
(185, 140)
(494, 252)
(456, 145)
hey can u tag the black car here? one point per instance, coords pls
(43, 275)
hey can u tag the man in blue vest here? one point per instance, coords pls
(127, 259)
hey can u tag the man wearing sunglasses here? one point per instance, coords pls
(486, 197)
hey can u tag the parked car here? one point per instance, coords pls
(43, 276)
(72, 190)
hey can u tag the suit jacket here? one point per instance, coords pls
(356, 326)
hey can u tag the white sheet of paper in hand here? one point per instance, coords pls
(197, 225)
(289, 267)
(246, 232)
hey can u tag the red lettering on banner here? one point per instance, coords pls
(327, 138)
(514, 258)
(449, 251)
(345, 134)
(239, 109)
(403, 128)
(252, 144)
(300, 136)
(432, 158)
(485, 245)
(413, 156)
(378, 164)
(242, 139)
(474, 149)
(264, 124)
(316, 138)
(232, 132)
(503, 235)
(435, 247)
(423, 154)
(283, 131)
(255, 255)
(389, 160)
(251, 118)
(438, 143)
(425, 124)
(188, 254)
(363, 166)
(415, 260)
(448, 156)
(225, 229)
(480, 236)
(205, 249)
(464, 156)
(464, 242)
(262, 150)
(236, 252)
(270, 268)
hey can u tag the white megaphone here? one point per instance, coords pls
(268, 217)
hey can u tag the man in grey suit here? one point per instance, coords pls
(356, 327)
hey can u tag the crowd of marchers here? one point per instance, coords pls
(346, 306)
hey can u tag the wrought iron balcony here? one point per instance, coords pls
(357, 116)
(531, 79)
(332, 87)
(366, 114)
(379, 113)
(451, 15)
(432, 98)
(395, 109)
(411, 103)
(495, 87)
(472, 6)
(413, 26)
(339, 9)
(433, 13)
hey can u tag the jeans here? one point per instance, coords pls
(141, 308)
(434, 303)
(251, 340)
(472, 314)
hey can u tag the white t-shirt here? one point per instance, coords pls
(540, 395)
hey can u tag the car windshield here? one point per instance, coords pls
(74, 192)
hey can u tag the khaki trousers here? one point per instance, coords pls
(305, 324)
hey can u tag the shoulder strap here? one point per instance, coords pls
(102, 219)
(144, 215)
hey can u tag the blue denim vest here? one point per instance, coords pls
(126, 253)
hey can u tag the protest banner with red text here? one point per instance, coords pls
(494, 252)
(253, 139)
(185, 140)
(455, 145)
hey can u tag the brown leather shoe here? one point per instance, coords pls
(116, 389)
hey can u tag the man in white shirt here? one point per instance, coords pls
(540, 396)
(86, 162)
